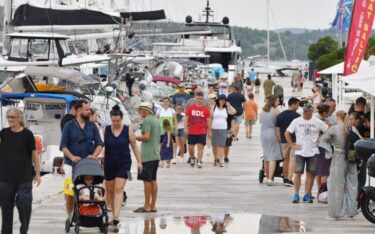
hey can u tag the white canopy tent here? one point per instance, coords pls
(364, 81)
(336, 71)
(339, 68)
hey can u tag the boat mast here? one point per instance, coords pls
(268, 32)
(7, 18)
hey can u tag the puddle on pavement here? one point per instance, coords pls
(218, 224)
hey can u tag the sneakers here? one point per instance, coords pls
(288, 183)
(295, 198)
(192, 162)
(269, 182)
(307, 199)
(226, 160)
(199, 164)
(173, 161)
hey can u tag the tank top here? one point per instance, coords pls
(219, 119)
(317, 99)
(117, 147)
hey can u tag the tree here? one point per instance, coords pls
(330, 59)
(323, 46)
(370, 47)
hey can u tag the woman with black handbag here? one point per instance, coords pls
(343, 181)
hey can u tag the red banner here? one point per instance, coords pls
(360, 31)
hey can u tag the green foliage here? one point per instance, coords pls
(330, 59)
(295, 42)
(323, 46)
(370, 47)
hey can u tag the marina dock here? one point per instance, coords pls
(186, 191)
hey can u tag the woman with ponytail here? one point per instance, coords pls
(117, 160)
(342, 182)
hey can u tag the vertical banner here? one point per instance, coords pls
(360, 31)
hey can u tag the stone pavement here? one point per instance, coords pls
(184, 190)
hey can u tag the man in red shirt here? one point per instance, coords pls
(197, 127)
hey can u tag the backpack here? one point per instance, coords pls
(351, 139)
(257, 82)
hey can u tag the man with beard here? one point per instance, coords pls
(80, 139)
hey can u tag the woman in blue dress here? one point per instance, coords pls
(117, 160)
(166, 149)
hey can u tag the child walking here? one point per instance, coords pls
(251, 115)
(166, 149)
(180, 138)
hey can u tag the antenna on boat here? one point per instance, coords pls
(207, 12)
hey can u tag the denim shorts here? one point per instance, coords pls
(310, 163)
(181, 133)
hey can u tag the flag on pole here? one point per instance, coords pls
(359, 34)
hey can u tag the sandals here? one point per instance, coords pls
(141, 210)
(114, 222)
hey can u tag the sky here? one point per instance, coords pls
(311, 14)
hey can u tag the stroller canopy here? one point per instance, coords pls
(87, 167)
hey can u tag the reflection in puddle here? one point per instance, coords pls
(217, 223)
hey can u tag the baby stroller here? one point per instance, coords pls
(278, 171)
(88, 167)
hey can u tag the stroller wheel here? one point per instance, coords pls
(67, 225)
(77, 229)
(261, 175)
(104, 229)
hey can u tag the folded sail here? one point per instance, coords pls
(28, 15)
(144, 15)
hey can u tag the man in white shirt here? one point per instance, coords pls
(308, 130)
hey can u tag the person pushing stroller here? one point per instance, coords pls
(89, 208)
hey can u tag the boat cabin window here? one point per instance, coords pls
(35, 111)
(64, 47)
(39, 49)
(220, 32)
(18, 49)
(54, 54)
(18, 85)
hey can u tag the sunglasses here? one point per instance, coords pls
(11, 117)
(200, 94)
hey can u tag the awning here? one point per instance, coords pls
(364, 80)
(60, 73)
(339, 68)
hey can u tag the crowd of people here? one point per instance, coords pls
(320, 141)
(186, 124)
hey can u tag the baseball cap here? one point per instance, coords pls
(222, 97)
(308, 107)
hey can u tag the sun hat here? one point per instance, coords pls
(146, 106)
(212, 96)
